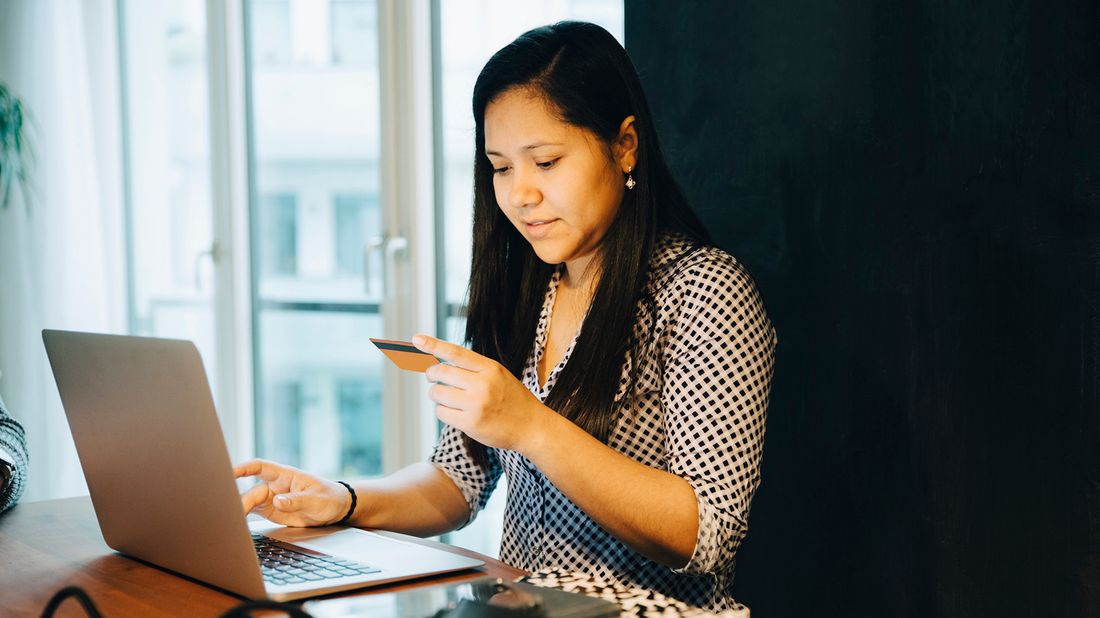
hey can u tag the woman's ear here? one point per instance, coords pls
(626, 145)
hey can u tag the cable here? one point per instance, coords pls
(244, 610)
(71, 591)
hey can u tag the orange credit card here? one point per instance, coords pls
(405, 355)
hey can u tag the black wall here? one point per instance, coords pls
(916, 187)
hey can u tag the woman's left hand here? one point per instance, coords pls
(480, 397)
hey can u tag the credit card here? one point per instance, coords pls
(405, 355)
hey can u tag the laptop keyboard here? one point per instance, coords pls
(283, 564)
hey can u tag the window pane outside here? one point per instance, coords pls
(314, 112)
(353, 212)
(167, 131)
(322, 392)
(470, 32)
(280, 233)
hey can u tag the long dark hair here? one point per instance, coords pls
(587, 78)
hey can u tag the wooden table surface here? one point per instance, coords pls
(46, 546)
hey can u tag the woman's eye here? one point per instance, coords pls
(548, 164)
(500, 170)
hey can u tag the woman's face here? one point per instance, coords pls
(560, 185)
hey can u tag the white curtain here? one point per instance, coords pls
(61, 255)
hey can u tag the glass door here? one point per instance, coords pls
(317, 233)
(170, 235)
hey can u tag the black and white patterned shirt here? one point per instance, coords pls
(697, 410)
(13, 460)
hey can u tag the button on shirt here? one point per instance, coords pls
(696, 409)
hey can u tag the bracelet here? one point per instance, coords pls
(351, 509)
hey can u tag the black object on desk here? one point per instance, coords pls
(488, 597)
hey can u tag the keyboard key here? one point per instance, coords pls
(283, 564)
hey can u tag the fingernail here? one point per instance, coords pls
(419, 340)
(282, 502)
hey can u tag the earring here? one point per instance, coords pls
(630, 178)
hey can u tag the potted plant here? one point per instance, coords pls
(15, 153)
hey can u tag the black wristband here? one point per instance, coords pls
(351, 509)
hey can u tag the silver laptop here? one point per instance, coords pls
(162, 484)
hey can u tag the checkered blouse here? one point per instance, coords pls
(697, 410)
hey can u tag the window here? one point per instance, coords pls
(168, 187)
(352, 214)
(352, 22)
(285, 420)
(314, 114)
(360, 405)
(271, 32)
(279, 241)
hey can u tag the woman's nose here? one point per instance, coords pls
(523, 192)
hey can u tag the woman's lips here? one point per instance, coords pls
(539, 229)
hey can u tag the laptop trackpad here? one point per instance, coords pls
(361, 546)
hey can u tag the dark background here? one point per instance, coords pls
(916, 187)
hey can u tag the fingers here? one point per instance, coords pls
(451, 353)
(289, 509)
(248, 468)
(451, 416)
(265, 470)
(451, 376)
(449, 396)
(289, 503)
(255, 497)
(288, 496)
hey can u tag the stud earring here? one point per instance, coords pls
(630, 178)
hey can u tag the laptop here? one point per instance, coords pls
(162, 484)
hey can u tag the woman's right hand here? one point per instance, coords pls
(288, 496)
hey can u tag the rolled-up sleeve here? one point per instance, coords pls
(13, 446)
(718, 368)
(453, 458)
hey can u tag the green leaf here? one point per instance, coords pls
(15, 153)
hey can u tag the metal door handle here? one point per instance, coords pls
(215, 255)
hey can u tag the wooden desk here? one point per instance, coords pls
(45, 546)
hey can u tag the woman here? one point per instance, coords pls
(619, 368)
